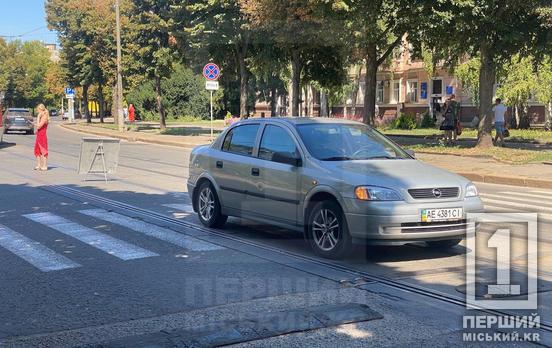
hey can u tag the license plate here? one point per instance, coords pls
(447, 214)
(19, 119)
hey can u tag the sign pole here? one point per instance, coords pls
(211, 72)
(211, 115)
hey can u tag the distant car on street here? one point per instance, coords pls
(18, 119)
(338, 182)
(65, 115)
(54, 112)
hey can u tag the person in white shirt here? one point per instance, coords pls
(499, 110)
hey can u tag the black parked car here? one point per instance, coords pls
(18, 119)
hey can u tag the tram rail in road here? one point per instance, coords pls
(124, 208)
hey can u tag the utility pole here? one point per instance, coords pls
(120, 115)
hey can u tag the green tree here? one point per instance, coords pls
(24, 70)
(468, 75)
(517, 87)
(305, 32)
(544, 84)
(155, 51)
(492, 30)
(218, 27)
(376, 29)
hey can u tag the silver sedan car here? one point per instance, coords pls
(338, 182)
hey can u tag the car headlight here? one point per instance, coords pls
(375, 193)
(471, 191)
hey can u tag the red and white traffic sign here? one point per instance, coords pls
(211, 71)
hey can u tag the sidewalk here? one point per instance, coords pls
(537, 175)
(133, 136)
(490, 171)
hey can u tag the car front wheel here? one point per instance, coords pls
(328, 234)
(208, 207)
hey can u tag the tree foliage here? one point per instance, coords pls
(23, 70)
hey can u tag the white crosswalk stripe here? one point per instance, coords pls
(530, 195)
(33, 252)
(151, 230)
(511, 201)
(118, 248)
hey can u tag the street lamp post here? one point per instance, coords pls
(120, 115)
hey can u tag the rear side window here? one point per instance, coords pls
(276, 140)
(241, 139)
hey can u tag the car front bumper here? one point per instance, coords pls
(398, 223)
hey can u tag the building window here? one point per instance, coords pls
(412, 91)
(396, 92)
(437, 87)
(379, 92)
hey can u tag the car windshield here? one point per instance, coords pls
(347, 142)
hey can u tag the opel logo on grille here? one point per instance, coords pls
(437, 193)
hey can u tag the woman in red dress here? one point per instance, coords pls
(41, 144)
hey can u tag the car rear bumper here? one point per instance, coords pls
(405, 225)
(18, 127)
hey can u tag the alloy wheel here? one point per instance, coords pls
(206, 204)
(326, 230)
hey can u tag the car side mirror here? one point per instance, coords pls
(411, 153)
(287, 158)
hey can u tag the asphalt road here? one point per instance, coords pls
(76, 270)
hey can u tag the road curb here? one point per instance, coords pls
(484, 178)
(508, 180)
(130, 137)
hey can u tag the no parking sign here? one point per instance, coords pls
(211, 72)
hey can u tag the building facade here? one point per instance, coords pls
(404, 86)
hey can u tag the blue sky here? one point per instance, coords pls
(27, 17)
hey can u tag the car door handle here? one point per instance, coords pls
(255, 171)
(220, 164)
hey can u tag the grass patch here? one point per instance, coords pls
(520, 135)
(512, 156)
(197, 122)
(188, 131)
(111, 126)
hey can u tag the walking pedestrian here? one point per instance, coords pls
(451, 120)
(41, 143)
(131, 111)
(499, 111)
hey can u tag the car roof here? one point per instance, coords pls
(18, 110)
(294, 121)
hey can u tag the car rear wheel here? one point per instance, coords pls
(208, 206)
(444, 244)
(328, 234)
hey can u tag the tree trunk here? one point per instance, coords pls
(323, 104)
(160, 108)
(356, 85)
(85, 101)
(370, 85)
(295, 83)
(114, 111)
(517, 118)
(313, 94)
(487, 77)
(306, 101)
(273, 101)
(102, 102)
(244, 82)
